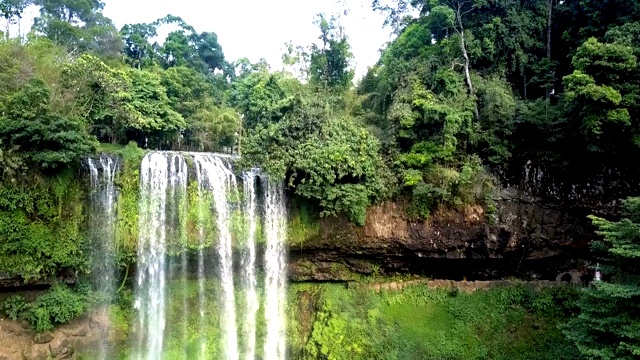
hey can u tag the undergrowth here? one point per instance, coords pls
(420, 323)
(59, 305)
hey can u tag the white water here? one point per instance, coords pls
(248, 264)
(162, 231)
(178, 184)
(201, 272)
(103, 217)
(220, 180)
(150, 301)
(102, 223)
(274, 345)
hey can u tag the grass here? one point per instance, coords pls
(420, 323)
(110, 148)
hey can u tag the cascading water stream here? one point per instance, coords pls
(249, 263)
(103, 216)
(275, 272)
(178, 183)
(221, 180)
(102, 223)
(150, 301)
(168, 228)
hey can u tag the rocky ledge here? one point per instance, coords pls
(521, 238)
(84, 334)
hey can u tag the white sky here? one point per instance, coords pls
(257, 28)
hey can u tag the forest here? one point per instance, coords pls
(466, 95)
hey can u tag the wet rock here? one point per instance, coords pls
(61, 348)
(84, 344)
(43, 338)
(74, 329)
(36, 352)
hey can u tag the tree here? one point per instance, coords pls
(104, 96)
(79, 26)
(265, 97)
(325, 158)
(591, 96)
(208, 126)
(398, 14)
(11, 11)
(154, 123)
(137, 49)
(447, 16)
(47, 139)
(608, 327)
(209, 53)
(329, 64)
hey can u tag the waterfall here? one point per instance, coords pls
(220, 180)
(102, 218)
(206, 221)
(154, 181)
(102, 221)
(248, 263)
(274, 346)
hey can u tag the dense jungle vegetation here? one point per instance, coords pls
(465, 95)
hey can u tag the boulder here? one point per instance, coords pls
(75, 329)
(36, 352)
(61, 347)
(43, 338)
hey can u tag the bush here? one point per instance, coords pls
(59, 305)
(420, 323)
(450, 187)
(15, 307)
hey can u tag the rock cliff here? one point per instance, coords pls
(521, 238)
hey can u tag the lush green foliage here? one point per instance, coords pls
(419, 323)
(37, 121)
(41, 227)
(607, 326)
(58, 305)
(329, 160)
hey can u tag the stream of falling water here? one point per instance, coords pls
(150, 300)
(248, 263)
(220, 181)
(275, 273)
(102, 219)
(164, 260)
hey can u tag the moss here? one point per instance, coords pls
(419, 323)
(42, 230)
(302, 227)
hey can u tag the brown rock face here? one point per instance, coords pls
(6, 354)
(42, 338)
(61, 348)
(521, 239)
(36, 352)
(83, 335)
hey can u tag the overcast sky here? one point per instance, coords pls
(258, 28)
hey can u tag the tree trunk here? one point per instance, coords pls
(549, 24)
(467, 62)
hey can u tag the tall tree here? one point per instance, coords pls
(608, 326)
(11, 11)
(79, 25)
(329, 63)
